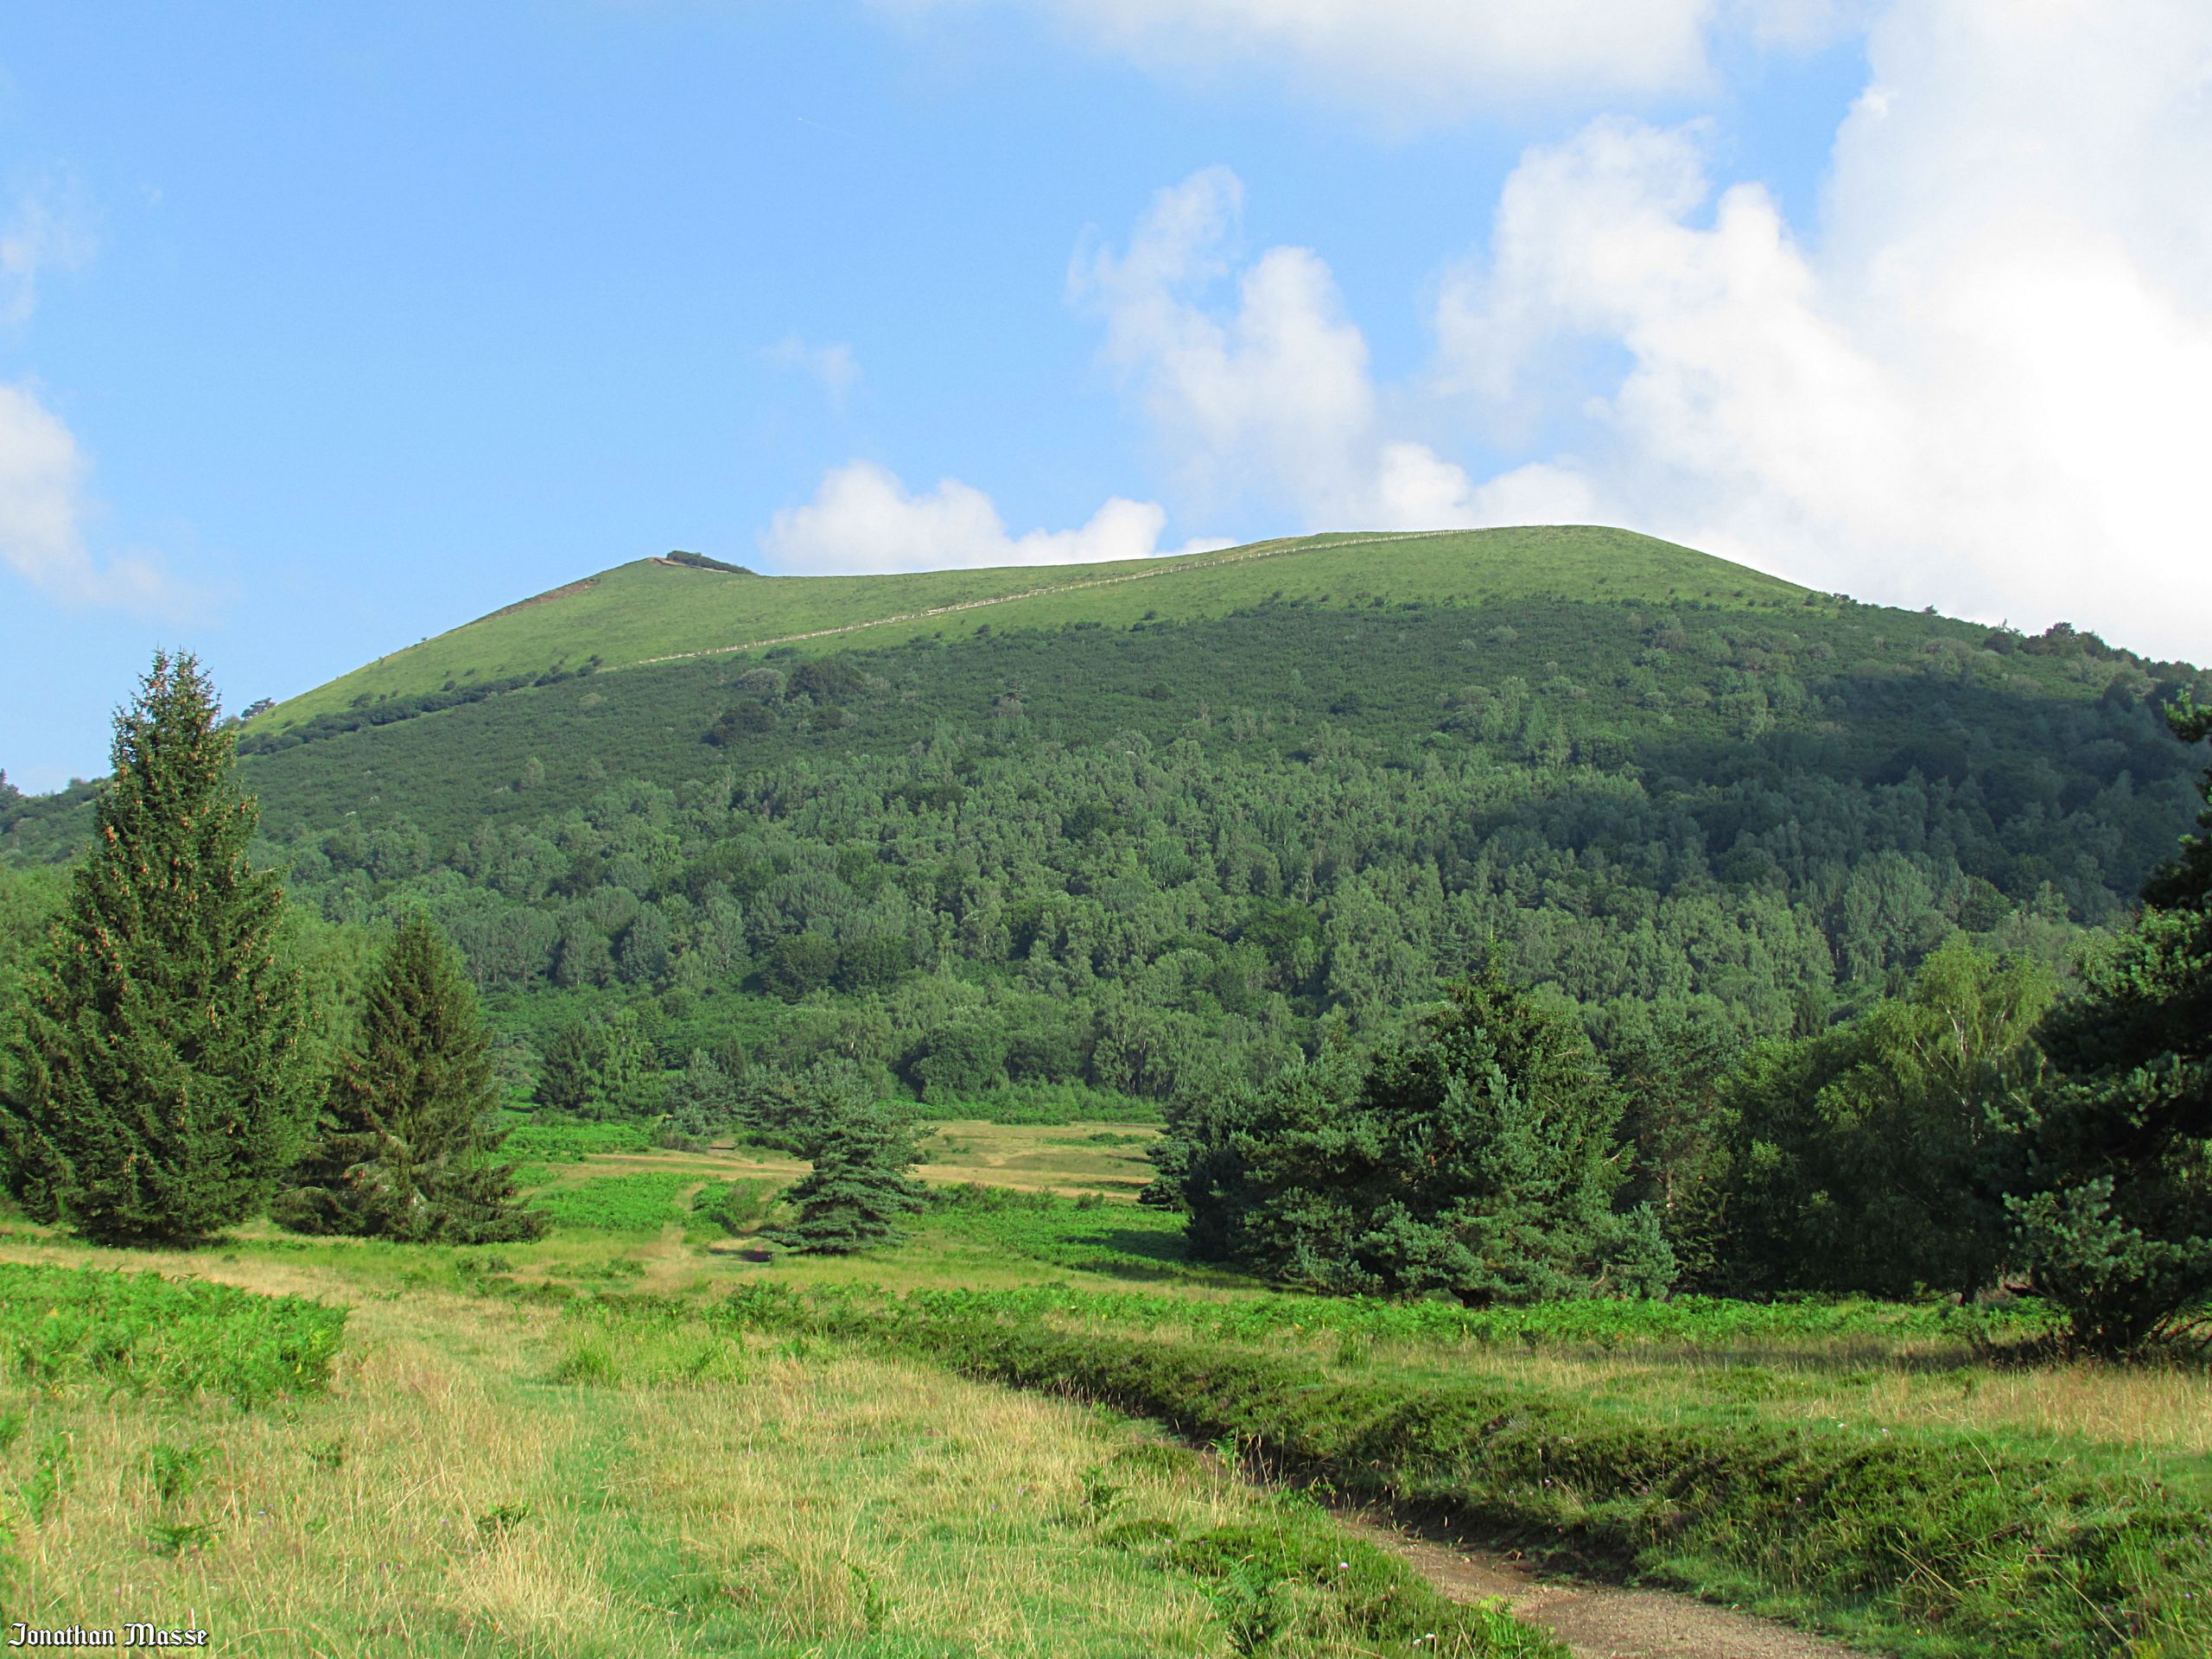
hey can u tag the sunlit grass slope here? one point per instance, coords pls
(653, 609)
(488, 1475)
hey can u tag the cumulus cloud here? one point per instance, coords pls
(1983, 385)
(833, 368)
(1273, 399)
(863, 520)
(1404, 58)
(43, 510)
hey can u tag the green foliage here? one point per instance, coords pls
(160, 1080)
(139, 1333)
(1136, 899)
(1089, 1237)
(547, 1139)
(407, 1145)
(700, 1103)
(734, 1207)
(1477, 1158)
(797, 964)
(2117, 1219)
(1876, 1156)
(858, 1189)
(1189, 854)
(641, 1202)
(1804, 1326)
(601, 1065)
(1947, 1541)
(1674, 1062)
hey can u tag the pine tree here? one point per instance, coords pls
(159, 1083)
(858, 1189)
(1478, 1157)
(2116, 1222)
(567, 1076)
(406, 1147)
(700, 1101)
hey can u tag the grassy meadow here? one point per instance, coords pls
(646, 1434)
(652, 611)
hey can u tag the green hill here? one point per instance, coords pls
(658, 610)
(1025, 840)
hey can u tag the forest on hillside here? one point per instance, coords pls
(1138, 861)
(1785, 909)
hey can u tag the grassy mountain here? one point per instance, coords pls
(658, 610)
(1129, 827)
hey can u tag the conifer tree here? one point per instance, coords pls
(407, 1146)
(2116, 1219)
(702, 1101)
(858, 1190)
(1478, 1157)
(159, 1083)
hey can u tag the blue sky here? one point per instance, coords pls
(323, 329)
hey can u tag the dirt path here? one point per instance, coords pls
(1598, 1621)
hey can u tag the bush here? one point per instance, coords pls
(735, 1207)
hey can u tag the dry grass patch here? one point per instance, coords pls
(864, 1496)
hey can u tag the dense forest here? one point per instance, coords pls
(1033, 867)
(1801, 877)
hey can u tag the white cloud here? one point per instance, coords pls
(864, 521)
(43, 510)
(1273, 400)
(1982, 386)
(48, 229)
(1798, 25)
(1403, 59)
(833, 368)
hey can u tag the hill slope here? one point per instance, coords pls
(1139, 828)
(655, 610)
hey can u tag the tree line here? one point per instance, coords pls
(163, 1084)
(1973, 1125)
(1978, 1131)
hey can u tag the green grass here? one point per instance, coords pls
(1280, 1577)
(639, 1202)
(647, 610)
(547, 1139)
(1713, 1325)
(138, 1334)
(1084, 1234)
(1926, 1543)
(488, 1477)
(647, 1462)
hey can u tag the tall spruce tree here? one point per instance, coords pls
(407, 1145)
(158, 1085)
(858, 1190)
(2116, 1217)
